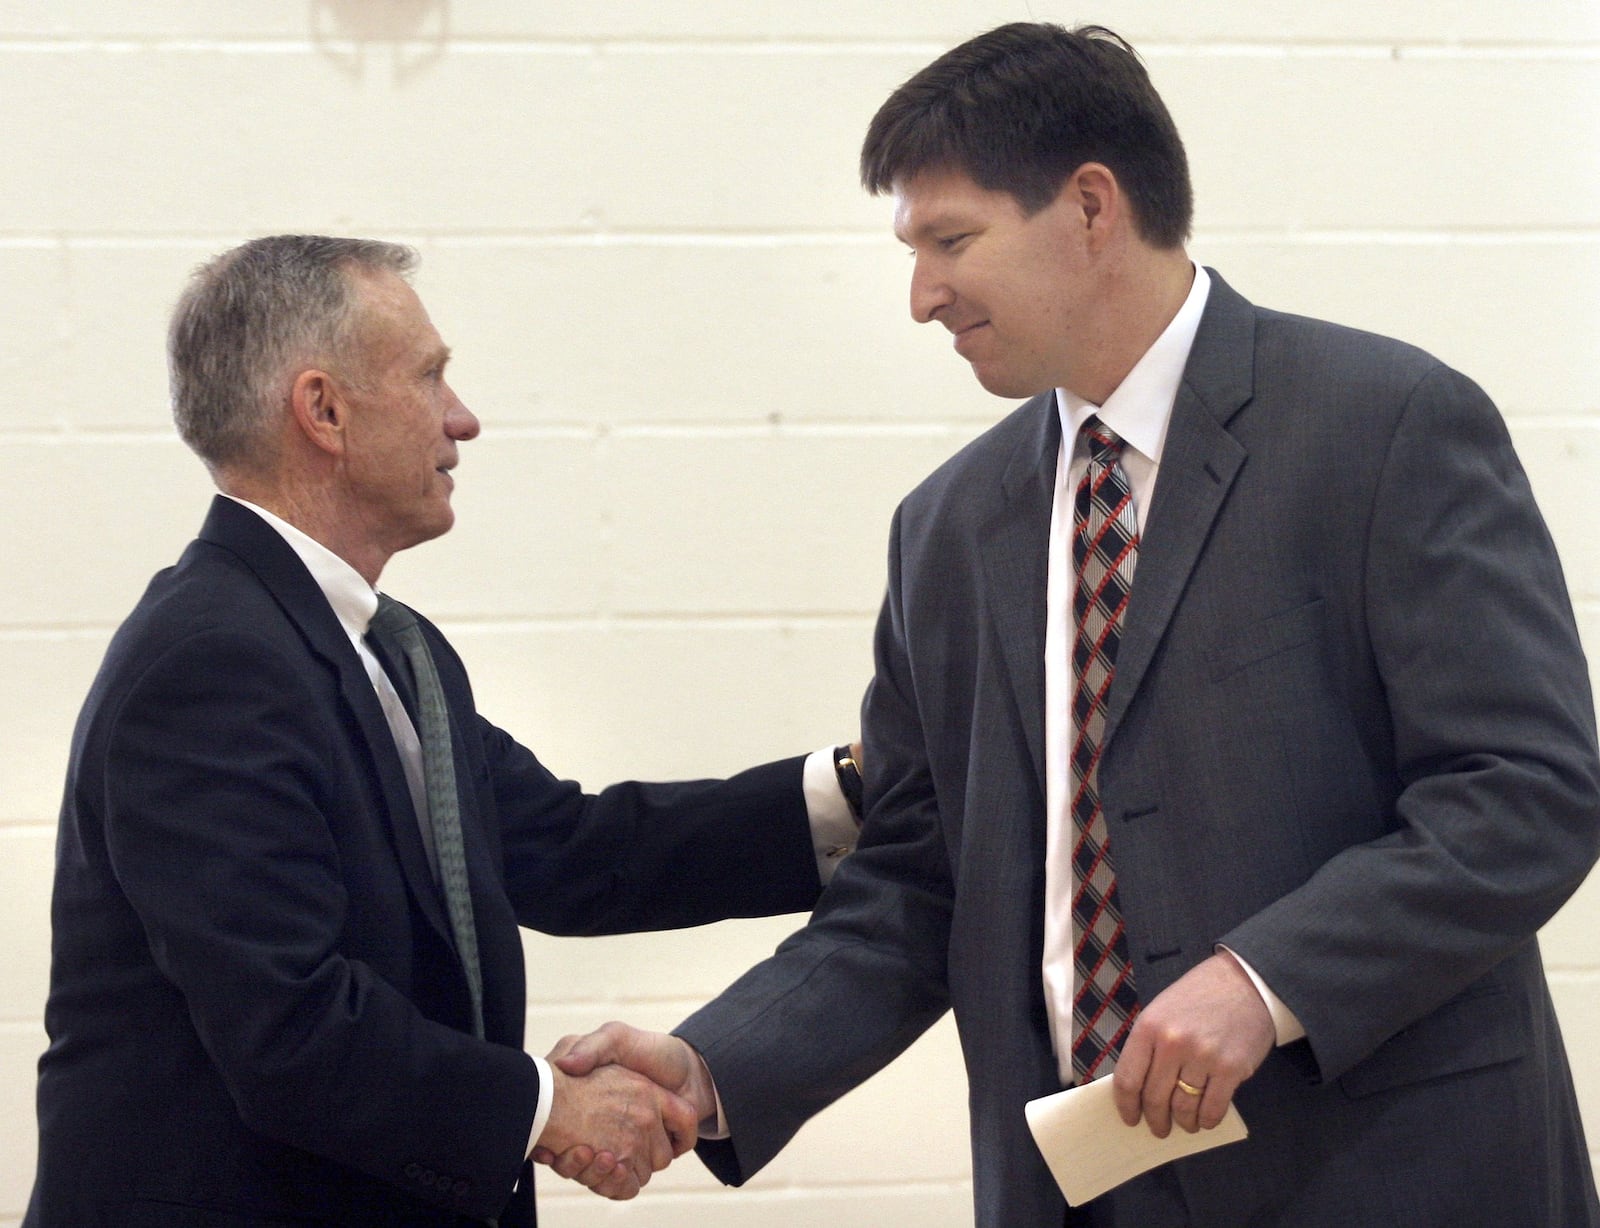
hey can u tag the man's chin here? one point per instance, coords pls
(441, 525)
(1007, 384)
(426, 531)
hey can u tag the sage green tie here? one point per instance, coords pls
(396, 627)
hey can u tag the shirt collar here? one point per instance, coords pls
(1141, 407)
(354, 601)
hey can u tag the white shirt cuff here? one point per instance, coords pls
(833, 827)
(715, 1126)
(1284, 1023)
(547, 1097)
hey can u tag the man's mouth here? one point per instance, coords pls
(962, 336)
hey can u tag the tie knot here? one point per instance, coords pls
(392, 618)
(1105, 445)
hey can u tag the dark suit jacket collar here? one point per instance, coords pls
(1220, 373)
(261, 548)
(1198, 466)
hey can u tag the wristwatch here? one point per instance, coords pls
(849, 773)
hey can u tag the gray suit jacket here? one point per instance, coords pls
(1350, 736)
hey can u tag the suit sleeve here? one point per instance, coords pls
(218, 826)
(1497, 817)
(639, 856)
(635, 856)
(844, 996)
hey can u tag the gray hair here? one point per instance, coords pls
(249, 321)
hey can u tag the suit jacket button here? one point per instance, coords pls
(413, 1171)
(459, 1189)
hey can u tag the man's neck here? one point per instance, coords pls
(1141, 300)
(309, 509)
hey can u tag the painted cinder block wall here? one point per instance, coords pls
(685, 330)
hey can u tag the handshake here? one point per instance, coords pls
(626, 1104)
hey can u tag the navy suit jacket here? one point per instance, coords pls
(256, 1013)
(1350, 736)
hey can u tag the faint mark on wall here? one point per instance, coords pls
(409, 34)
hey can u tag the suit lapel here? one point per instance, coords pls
(280, 570)
(1198, 465)
(357, 690)
(1014, 547)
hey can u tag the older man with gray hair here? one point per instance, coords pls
(287, 981)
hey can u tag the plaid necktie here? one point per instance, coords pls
(1105, 547)
(395, 627)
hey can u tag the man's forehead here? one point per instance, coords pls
(381, 289)
(388, 305)
(930, 198)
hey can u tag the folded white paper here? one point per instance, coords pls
(1089, 1150)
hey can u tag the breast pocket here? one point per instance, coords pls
(1271, 636)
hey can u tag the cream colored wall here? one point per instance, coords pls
(685, 330)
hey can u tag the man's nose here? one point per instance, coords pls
(460, 423)
(929, 292)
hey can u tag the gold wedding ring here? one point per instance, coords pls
(1188, 1088)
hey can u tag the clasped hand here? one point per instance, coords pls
(626, 1104)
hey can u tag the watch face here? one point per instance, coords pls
(849, 774)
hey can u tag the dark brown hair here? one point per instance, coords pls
(1020, 108)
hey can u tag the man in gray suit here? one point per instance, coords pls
(1229, 729)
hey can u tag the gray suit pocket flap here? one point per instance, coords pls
(1277, 633)
(1480, 1028)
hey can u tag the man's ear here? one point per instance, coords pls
(319, 410)
(1099, 195)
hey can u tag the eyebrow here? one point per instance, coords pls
(930, 225)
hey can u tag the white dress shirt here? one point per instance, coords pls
(1139, 411)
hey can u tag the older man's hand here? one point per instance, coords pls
(614, 1127)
